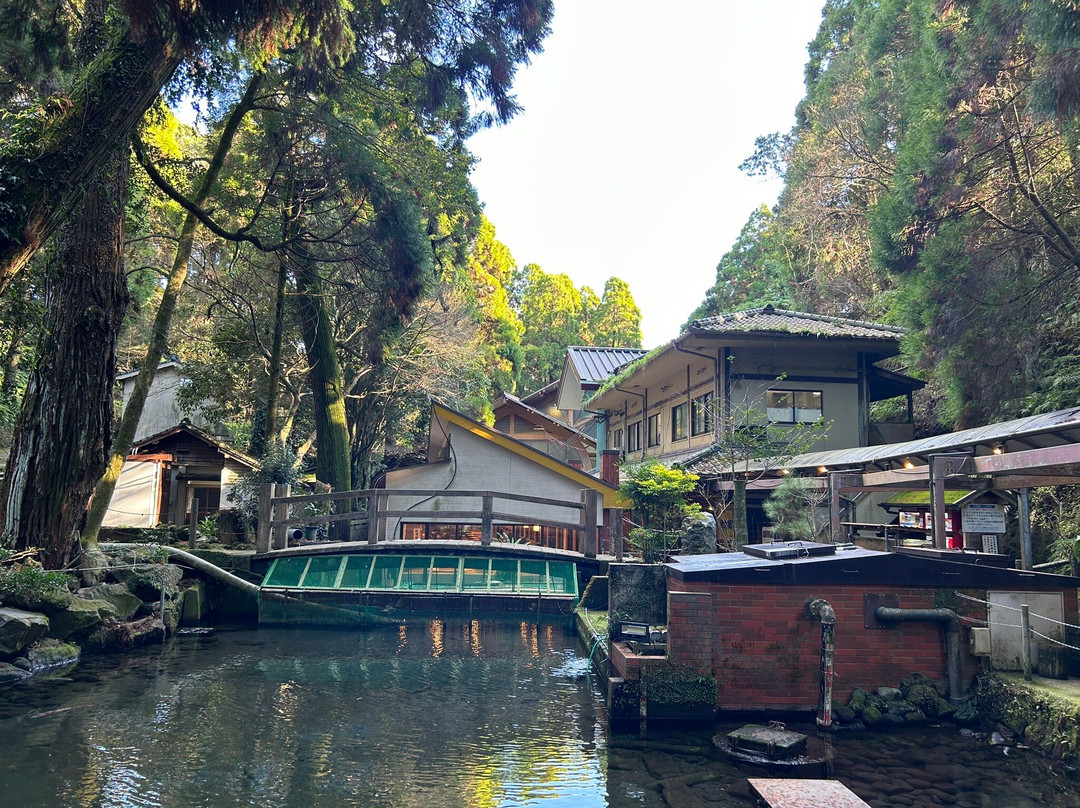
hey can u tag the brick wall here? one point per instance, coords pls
(765, 650)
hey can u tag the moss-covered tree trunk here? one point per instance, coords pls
(62, 436)
(742, 532)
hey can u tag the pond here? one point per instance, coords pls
(432, 714)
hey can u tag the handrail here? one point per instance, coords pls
(424, 492)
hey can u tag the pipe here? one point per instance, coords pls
(950, 624)
(196, 563)
(823, 611)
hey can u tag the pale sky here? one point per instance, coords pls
(625, 159)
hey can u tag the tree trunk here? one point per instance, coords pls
(46, 170)
(62, 436)
(326, 380)
(159, 340)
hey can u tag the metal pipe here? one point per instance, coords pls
(823, 611)
(950, 624)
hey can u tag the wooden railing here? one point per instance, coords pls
(346, 513)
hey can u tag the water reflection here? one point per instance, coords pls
(442, 713)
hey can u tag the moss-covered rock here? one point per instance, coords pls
(857, 702)
(19, 628)
(122, 599)
(50, 653)
(81, 614)
(117, 635)
(871, 716)
(150, 580)
(11, 673)
(1047, 720)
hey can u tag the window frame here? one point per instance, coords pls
(654, 435)
(633, 437)
(793, 409)
(701, 406)
(680, 419)
(617, 438)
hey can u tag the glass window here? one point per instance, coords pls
(444, 573)
(474, 575)
(414, 572)
(616, 438)
(779, 407)
(654, 430)
(793, 406)
(286, 572)
(563, 577)
(503, 574)
(701, 415)
(678, 421)
(384, 575)
(807, 406)
(356, 572)
(533, 576)
(633, 437)
(322, 572)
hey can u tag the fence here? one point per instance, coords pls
(368, 511)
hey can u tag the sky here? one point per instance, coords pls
(625, 159)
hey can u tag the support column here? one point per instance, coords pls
(836, 529)
(1023, 495)
(938, 471)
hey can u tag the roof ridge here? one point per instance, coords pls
(806, 315)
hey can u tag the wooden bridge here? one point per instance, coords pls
(364, 515)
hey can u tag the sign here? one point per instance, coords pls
(984, 518)
(990, 542)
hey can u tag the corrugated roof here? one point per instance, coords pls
(594, 365)
(1035, 431)
(768, 319)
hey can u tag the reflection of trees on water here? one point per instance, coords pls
(439, 713)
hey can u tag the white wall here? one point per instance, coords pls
(162, 410)
(135, 500)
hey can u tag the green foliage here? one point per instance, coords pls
(659, 493)
(19, 585)
(790, 508)
(653, 546)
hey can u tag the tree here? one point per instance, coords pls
(659, 495)
(616, 322)
(794, 508)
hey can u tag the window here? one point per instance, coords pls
(654, 430)
(616, 438)
(793, 406)
(701, 415)
(678, 421)
(633, 437)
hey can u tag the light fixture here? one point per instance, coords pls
(536, 528)
(908, 464)
(785, 471)
(821, 469)
(999, 448)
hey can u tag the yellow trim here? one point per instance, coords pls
(612, 499)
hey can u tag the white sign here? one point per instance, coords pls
(984, 518)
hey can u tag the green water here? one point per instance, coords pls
(430, 715)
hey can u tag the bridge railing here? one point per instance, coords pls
(368, 511)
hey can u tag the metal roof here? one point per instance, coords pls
(771, 320)
(594, 365)
(1047, 430)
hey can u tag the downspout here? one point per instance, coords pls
(950, 624)
(823, 611)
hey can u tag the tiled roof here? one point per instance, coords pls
(768, 319)
(595, 365)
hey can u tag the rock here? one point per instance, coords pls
(193, 604)
(924, 697)
(899, 707)
(871, 715)
(858, 700)
(121, 598)
(595, 596)
(843, 713)
(19, 629)
(22, 663)
(149, 580)
(699, 534)
(47, 601)
(889, 693)
(115, 635)
(80, 614)
(49, 653)
(914, 717)
(889, 719)
(10, 673)
(95, 565)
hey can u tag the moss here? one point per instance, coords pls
(1048, 719)
(678, 685)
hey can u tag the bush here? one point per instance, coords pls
(653, 546)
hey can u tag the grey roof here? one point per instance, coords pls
(770, 320)
(1033, 432)
(595, 365)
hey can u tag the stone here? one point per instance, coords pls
(193, 604)
(899, 707)
(95, 565)
(121, 598)
(80, 614)
(595, 596)
(50, 653)
(889, 693)
(148, 581)
(858, 700)
(925, 697)
(116, 636)
(871, 715)
(10, 673)
(843, 713)
(637, 593)
(19, 629)
(1053, 662)
(914, 717)
(889, 719)
(699, 534)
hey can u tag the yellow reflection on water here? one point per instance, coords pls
(436, 629)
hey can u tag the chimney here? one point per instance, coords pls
(609, 466)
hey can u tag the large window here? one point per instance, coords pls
(678, 421)
(633, 437)
(701, 414)
(793, 406)
(654, 430)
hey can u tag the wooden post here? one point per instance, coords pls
(193, 525)
(616, 533)
(485, 519)
(281, 511)
(836, 528)
(937, 500)
(380, 532)
(262, 528)
(372, 517)
(1025, 527)
(1025, 645)
(588, 522)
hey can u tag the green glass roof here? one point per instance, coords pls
(424, 573)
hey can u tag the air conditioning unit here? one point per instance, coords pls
(979, 641)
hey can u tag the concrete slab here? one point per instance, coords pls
(779, 793)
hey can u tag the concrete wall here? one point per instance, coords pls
(477, 464)
(135, 500)
(162, 411)
(765, 650)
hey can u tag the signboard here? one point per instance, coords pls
(984, 518)
(990, 542)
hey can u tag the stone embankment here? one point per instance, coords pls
(1043, 714)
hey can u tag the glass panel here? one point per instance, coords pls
(503, 574)
(415, 572)
(322, 571)
(533, 576)
(444, 573)
(385, 573)
(563, 577)
(778, 405)
(678, 422)
(356, 572)
(474, 575)
(807, 406)
(286, 572)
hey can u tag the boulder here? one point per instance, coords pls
(80, 614)
(116, 636)
(9, 673)
(871, 716)
(699, 534)
(193, 604)
(889, 693)
(95, 565)
(49, 653)
(147, 580)
(925, 697)
(19, 629)
(121, 598)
